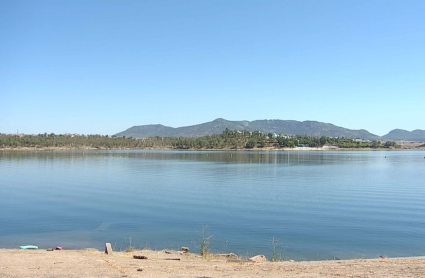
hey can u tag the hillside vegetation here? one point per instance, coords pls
(229, 139)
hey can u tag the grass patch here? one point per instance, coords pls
(130, 247)
(147, 247)
(204, 243)
(274, 243)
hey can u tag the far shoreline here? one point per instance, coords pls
(419, 146)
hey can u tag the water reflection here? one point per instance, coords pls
(318, 204)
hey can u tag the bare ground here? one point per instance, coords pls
(93, 263)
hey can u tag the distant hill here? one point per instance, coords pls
(289, 127)
(400, 134)
(143, 131)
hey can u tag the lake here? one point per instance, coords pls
(315, 204)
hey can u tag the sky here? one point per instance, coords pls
(100, 67)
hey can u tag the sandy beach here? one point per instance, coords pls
(169, 263)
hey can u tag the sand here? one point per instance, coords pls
(93, 263)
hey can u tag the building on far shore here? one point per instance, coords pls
(358, 140)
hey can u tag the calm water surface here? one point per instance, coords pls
(317, 205)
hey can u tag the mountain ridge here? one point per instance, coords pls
(289, 127)
(401, 134)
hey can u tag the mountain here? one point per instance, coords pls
(401, 134)
(147, 131)
(311, 128)
(289, 127)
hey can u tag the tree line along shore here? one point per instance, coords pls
(229, 139)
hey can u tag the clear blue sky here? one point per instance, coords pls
(103, 66)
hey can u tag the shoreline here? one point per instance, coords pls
(409, 147)
(171, 263)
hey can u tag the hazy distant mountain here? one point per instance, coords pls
(311, 128)
(400, 134)
(217, 126)
(143, 131)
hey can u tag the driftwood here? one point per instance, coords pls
(172, 259)
(140, 257)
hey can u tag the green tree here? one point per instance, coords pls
(375, 144)
(251, 144)
(389, 144)
(323, 140)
